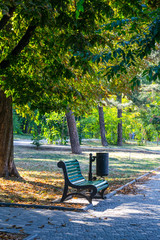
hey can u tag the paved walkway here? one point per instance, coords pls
(121, 217)
(53, 147)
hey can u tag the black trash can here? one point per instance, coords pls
(102, 164)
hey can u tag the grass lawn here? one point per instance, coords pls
(42, 181)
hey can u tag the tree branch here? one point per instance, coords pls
(6, 17)
(24, 40)
(20, 46)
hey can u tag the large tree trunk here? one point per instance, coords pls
(119, 130)
(73, 134)
(102, 127)
(7, 166)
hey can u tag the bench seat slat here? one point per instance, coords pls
(102, 183)
(85, 183)
(102, 187)
(78, 182)
(98, 183)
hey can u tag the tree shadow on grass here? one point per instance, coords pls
(35, 183)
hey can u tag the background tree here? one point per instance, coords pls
(119, 128)
(102, 126)
(55, 128)
(156, 122)
(73, 133)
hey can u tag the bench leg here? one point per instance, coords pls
(89, 198)
(102, 193)
(64, 193)
(92, 194)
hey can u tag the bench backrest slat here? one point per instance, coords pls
(73, 175)
(73, 171)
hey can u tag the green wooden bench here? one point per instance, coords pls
(74, 179)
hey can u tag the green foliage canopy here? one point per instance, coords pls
(47, 46)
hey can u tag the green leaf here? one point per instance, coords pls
(79, 8)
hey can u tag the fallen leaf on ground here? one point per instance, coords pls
(12, 236)
(41, 226)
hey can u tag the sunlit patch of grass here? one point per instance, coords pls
(21, 136)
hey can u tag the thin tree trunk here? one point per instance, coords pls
(119, 130)
(7, 166)
(73, 134)
(102, 126)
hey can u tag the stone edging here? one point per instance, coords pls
(31, 237)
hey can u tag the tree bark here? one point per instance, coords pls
(119, 129)
(102, 126)
(7, 166)
(73, 134)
